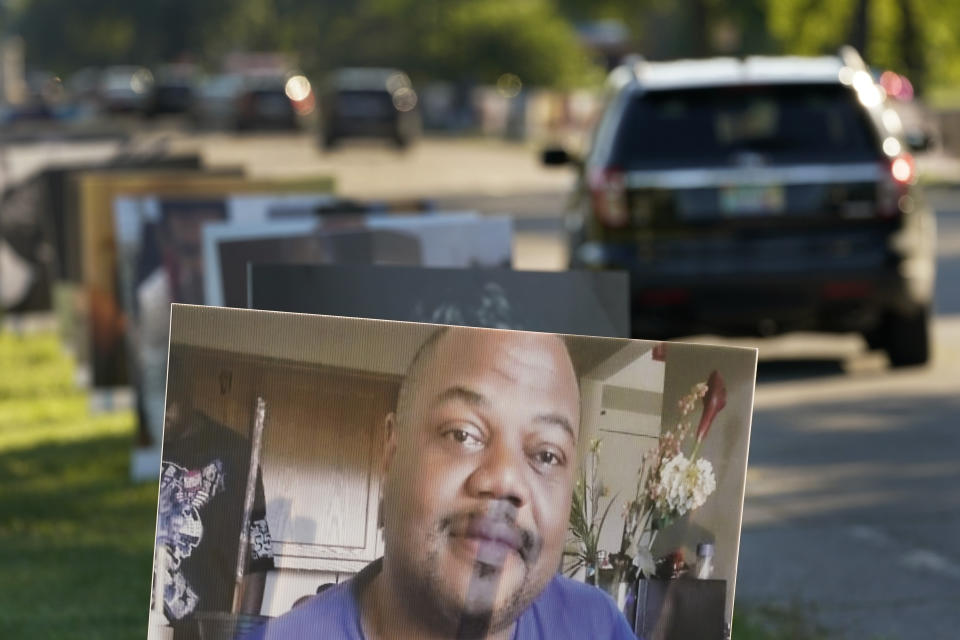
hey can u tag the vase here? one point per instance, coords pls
(643, 560)
(680, 608)
(615, 577)
(615, 586)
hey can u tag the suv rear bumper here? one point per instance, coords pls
(761, 307)
(745, 298)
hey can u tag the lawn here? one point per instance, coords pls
(75, 533)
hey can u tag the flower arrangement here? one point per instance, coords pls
(670, 484)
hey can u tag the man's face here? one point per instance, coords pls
(479, 474)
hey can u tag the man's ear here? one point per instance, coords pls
(389, 442)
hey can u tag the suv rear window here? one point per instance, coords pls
(365, 103)
(712, 126)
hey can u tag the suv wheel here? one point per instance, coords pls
(906, 337)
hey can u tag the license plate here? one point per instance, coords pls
(752, 200)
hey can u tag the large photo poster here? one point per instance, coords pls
(354, 477)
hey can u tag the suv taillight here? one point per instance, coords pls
(609, 194)
(897, 175)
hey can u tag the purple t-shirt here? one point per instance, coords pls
(566, 610)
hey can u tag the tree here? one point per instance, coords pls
(64, 35)
(914, 37)
(440, 39)
(447, 39)
(525, 37)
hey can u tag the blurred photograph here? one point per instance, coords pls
(582, 302)
(367, 478)
(438, 239)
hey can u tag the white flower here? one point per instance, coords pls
(684, 486)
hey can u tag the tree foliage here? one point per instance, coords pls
(478, 40)
(492, 37)
(915, 37)
(446, 39)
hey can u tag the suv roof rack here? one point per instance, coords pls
(851, 57)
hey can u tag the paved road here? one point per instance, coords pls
(853, 496)
(433, 168)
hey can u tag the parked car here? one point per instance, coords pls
(264, 103)
(172, 92)
(124, 88)
(369, 103)
(42, 99)
(757, 196)
(84, 84)
(215, 101)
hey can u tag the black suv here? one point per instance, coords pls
(369, 103)
(757, 196)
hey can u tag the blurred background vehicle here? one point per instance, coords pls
(215, 101)
(369, 103)
(124, 88)
(83, 84)
(172, 92)
(81, 90)
(759, 196)
(264, 102)
(34, 108)
(42, 99)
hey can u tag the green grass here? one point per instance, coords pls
(777, 622)
(75, 533)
